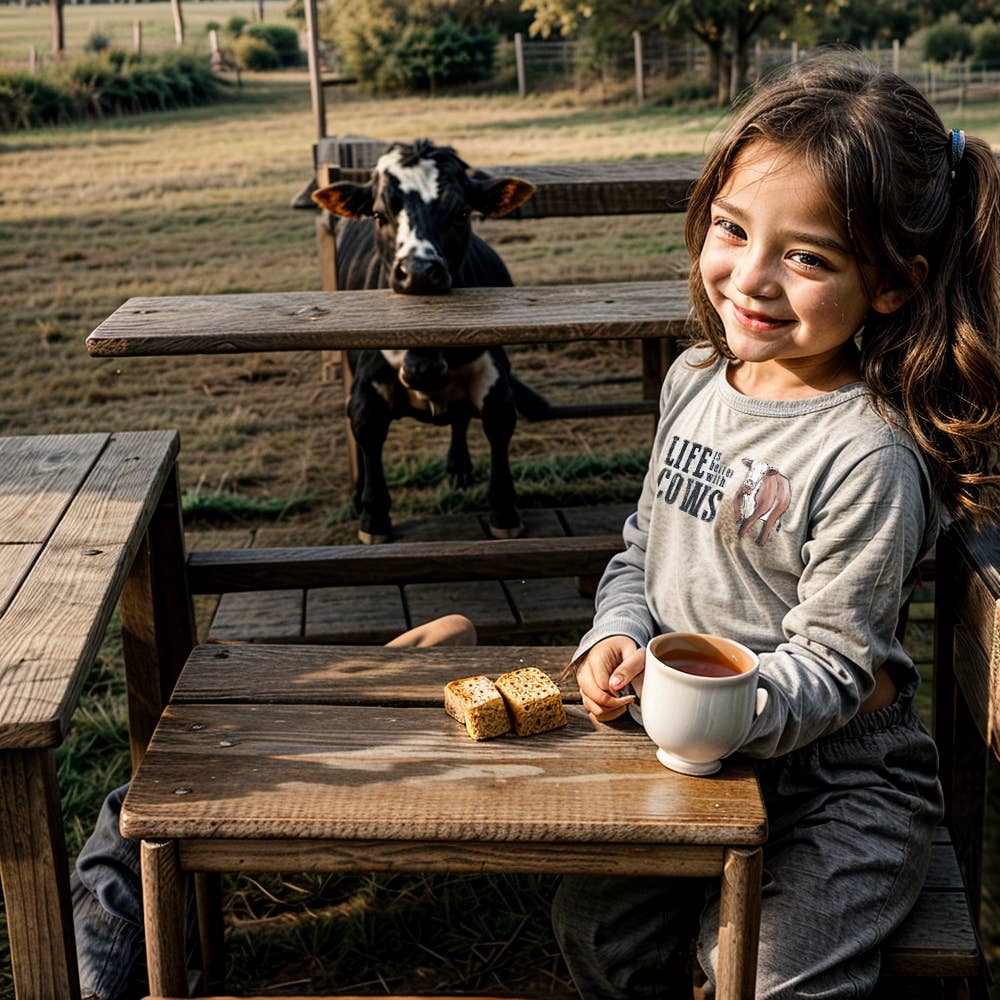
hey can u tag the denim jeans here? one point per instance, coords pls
(106, 890)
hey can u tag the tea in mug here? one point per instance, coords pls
(702, 664)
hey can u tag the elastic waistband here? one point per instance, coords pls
(900, 712)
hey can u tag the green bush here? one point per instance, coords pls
(212, 26)
(282, 38)
(104, 85)
(235, 26)
(255, 54)
(392, 44)
(948, 40)
(98, 41)
(987, 39)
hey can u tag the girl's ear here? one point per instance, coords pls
(889, 298)
(344, 198)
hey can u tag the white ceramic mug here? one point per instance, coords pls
(693, 719)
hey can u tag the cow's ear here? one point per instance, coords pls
(499, 195)
(344, 198)
(771, 471)
(746, 461)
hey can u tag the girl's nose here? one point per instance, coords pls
(754, 276)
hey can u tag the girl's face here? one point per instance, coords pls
(778, 270)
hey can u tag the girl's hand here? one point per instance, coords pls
(606, 668)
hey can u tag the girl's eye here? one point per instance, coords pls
(807, 259)
(379, 218)
(730, 229)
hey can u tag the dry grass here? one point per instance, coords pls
(197, 201)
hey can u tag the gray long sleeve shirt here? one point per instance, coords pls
(792, 526)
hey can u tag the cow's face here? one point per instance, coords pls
(756, 471)
(421, 198)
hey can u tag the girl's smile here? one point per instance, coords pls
(778, 270)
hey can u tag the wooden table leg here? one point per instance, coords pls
(739, 923)
(35, 873)
(158, 630)
(165, 908)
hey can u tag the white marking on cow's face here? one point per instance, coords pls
(422, 177)
(755, 475)
(409, 243)
(395, 358)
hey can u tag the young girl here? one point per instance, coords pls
(845, 272)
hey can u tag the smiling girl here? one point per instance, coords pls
(845, 254)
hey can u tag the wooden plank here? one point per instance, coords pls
(16, 559)
(53, 627)
(461, 527)
(484, 602)
(39, 475)
(598, 188)
(937, 939)
(455, 856)
(739, 924)
(605, 519)
(355, 614)
(33, 867)
(351, 675)
(552, 603)
(359, 772)
(259, 616)
(291, 321)
(213, 572)
(164, 891)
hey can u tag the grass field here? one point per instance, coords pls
(197, 201)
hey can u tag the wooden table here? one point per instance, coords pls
(85, 519)
(273, 758)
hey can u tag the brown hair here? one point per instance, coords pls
(886, 161)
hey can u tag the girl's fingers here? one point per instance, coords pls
(630, 668)
(606, 707)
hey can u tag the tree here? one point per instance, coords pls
(725, 27)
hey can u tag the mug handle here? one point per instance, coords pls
(761, 701)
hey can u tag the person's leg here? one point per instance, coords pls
(106, 889)
(451, 630)
(851, 819)
(628, 938)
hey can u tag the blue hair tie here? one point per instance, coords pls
(956, 150)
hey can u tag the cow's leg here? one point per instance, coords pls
(459, 465)
(499, 420)
(370, 419)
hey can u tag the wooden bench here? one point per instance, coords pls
(85, 520)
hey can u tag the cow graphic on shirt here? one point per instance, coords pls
(764, 495)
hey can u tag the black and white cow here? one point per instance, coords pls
(419, 240)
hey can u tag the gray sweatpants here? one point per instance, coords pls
(851, 818)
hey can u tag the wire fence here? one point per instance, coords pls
(664, 69)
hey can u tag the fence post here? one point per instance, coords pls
(640, 84)
(522, 89)
(32, 59)
(795, 52)
(213, 45)
(758, 58)
(895, 56)
(315, 78)
(137, 37)
(175, 6)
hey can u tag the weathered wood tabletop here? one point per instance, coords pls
(353, 742)
(287, 321)
(344, 759)
(82, 518)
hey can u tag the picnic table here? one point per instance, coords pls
(85, 520)
(308, 758)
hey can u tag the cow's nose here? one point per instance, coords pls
(425, 374)
(420, 275)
